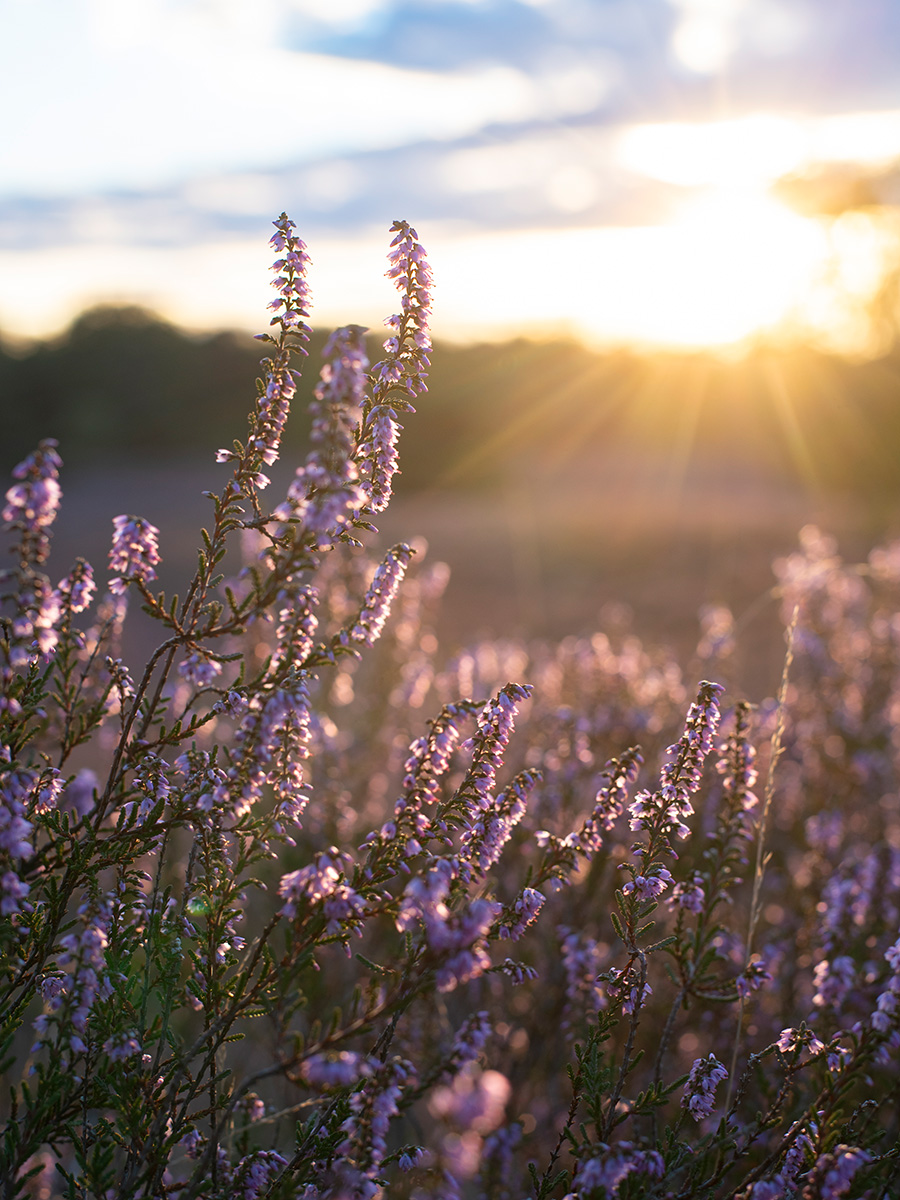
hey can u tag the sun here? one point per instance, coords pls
(730, 264)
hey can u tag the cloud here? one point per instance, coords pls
(116, 95)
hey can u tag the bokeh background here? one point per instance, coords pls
(666, 238)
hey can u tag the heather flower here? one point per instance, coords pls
(365, 1131)
(458, 939)
(80, 795)
(833, 1173)
(255, 1173)
(648, 887)
(612, 1166)
(121, 1047)
(610, 801)
(483, 842)
(886, 1016)
(625, 986)
(379, 456)
(297, 624)
(469, 1041)
(32, 504)
(35, 628)
(336, 1070)
(13, 893)
(291, 308)
(792, 1041)
(518, 972)
(314, 882)
(699, 1092)
(199, 670)
(294, 299)
(524, 912)
(752, 978)
(689, 895)
(271, 743)
(664, 812)
(377, 603)
(78, 588)
(134, 553)
(326, 493)
(494, 729)
(582, 957)
(15, 829)
(408, 348)
(497, 1162)
(83, 962)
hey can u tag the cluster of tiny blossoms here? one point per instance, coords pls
(665, 812)
(401, 373)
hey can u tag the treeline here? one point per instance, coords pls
(122, 382)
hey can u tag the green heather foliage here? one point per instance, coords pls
(302, 909)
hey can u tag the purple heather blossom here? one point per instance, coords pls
(13, 893)
(297, 625)
(609, 802)
(377, 603)
(497, 1163)
(457, 938)
(700, 1090)
(795, 1040)
(199, 670)
(290, 307)
(833, 1173)
(524, 913)
(270, 744)
(83, 961)
(121, 1047)
(15, 829)
(314, 882)
(35, 627)
(484, 840)
(664, 812)
(491, 737)
(47, 791)
(752, 978)
(689, 895)
(326, 491)
(336, 1070)
(32, 505)
(378, 456)
(407, 350)
(886, 1016)
(365, 1131)
(255, 1173)
(582, 957)
(650, 886)
(469, 1041)
(518, 972)
(78, 588)
(626, 986)
(79, 796)
(294, 299)
(612, 1166)
(134, 553)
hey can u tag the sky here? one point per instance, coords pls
(659, 172)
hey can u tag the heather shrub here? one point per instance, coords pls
(303, 909)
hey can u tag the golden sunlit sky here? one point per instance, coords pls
(654, 172)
